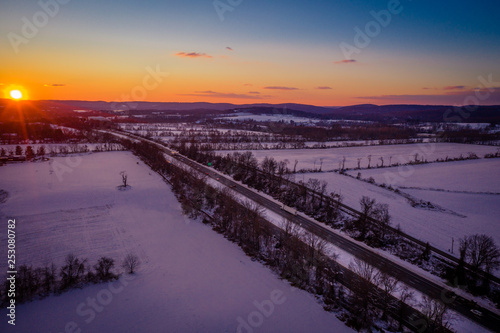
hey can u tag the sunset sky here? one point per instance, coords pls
(422, 52)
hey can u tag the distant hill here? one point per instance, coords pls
(164, 106)
(423, 113)
(367, 112)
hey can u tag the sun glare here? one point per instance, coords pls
(16, 94)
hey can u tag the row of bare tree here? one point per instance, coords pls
(54, 150)
(43, 281)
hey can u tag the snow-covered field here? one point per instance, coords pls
(459, 214)
(471, 189)
(461, 176)
(332, 158)
(191, 279)
(269, 117)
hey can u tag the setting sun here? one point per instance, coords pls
(16, 94)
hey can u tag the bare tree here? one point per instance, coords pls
(41, 151)
(73, 270)
(364, 270)
(103, 269)
(283, 167)
(481, 252)
(49, 279)
(436, 314)
(291, 250)
(368, 209)
(315, 186)
(254, 213)
(316, 244)
(369, 160)
(322, 191)
(130, 263)
(388, 284)
(381, 214)
(295, 165)
(406, 296)
(124, 178)
(290, 229)
(460, 269)
(462, 248)
(363, 289)
(269, 165)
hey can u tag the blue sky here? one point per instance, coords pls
(426, 47)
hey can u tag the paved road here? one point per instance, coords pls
(488, 319)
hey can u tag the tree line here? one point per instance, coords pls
(41, 151)
(39, 282)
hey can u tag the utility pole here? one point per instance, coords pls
(452, 242)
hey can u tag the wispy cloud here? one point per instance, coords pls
(345, 61)
(229, 48)
(210, 93)
(54, 85)
(254, 92)
(323, 88)
(454, 88)
(248, 85)
(280, 88)
(192, 55)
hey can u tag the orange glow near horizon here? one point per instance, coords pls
(184, 90)
(298, 56)
(236, 79)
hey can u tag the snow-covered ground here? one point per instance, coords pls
(461, 176)
(269, 117)
(191, 279)
(471, 125)
(462, 214)
(469, 188)
(332, 158)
